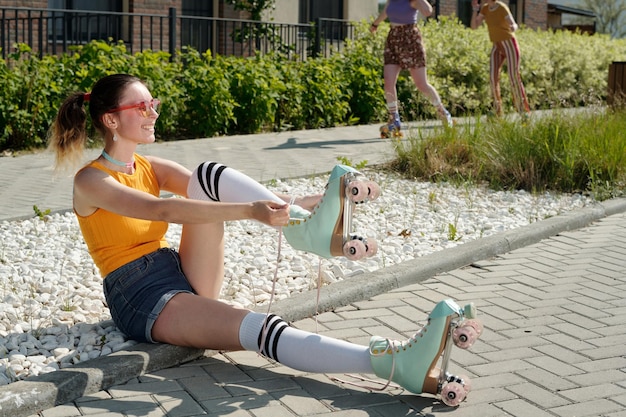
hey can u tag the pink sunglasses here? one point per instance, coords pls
(145, 107)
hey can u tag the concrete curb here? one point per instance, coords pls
(34, 394)
(27, 397)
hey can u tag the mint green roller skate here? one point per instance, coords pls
(413, 363)
(326, 231)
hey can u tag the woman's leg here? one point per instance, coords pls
(512, 53)
(390, 77)
(201, 322)
(496, 60)
(191, 320)
(202, 245)
(201, 251)
(217, 182)
(421, 82)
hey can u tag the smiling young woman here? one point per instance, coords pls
(159, 295)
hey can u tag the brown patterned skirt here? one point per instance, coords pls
(404, 47)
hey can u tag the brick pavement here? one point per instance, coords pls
(554, 345)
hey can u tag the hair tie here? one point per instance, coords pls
(86, 97)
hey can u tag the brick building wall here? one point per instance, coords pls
(140, 32)
(35, 4)
(17, 24)
(536, 14)
(448, 7)
(143, 29)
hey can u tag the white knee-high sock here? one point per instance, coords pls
(217, 182)
(301, 350)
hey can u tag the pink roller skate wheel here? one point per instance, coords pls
(467, 383)
(354, 249)
(374, 190)
(452, 394)
(357, 191)
(464, 336)
(476, 324)
(371, 247)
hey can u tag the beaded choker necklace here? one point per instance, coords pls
(114, 161)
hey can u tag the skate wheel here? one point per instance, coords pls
(357, 191)
(354, 249)
(371, 247)
(466, 382)
(453, 393)
(464, 336)
(373, 190)
(476, 324)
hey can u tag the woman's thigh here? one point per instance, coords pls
(202, 257)
(196, 321)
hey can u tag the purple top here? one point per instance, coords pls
(400, 12)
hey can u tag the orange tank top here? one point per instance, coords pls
(497, 25)
(115, 240)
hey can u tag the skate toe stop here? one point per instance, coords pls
(469, 311)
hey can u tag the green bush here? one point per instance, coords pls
(29, 91)
(254, 86)
(324, 97)
(362, 71)
(207, 108)
(204, 95)
(289, 112)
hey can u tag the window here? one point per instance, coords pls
(82, 26)
(202, 8)
(314, 9)
(317, 11)
(197, 33)
(465, 11)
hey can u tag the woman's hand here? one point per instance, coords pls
(270, 213)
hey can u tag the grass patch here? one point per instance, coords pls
(569, 151)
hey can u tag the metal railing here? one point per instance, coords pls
(54, 31)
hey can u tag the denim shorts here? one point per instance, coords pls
(137, 292)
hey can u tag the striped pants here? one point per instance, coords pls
(507, 51)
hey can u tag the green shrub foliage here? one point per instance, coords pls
(205, 95)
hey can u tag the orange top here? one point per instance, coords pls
(115, 240)
(499, 28)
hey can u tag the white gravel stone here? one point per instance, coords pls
(52, 308)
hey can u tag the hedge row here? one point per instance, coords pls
(205, 95)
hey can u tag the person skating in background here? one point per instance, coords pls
(501, 26)
(404, 50)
